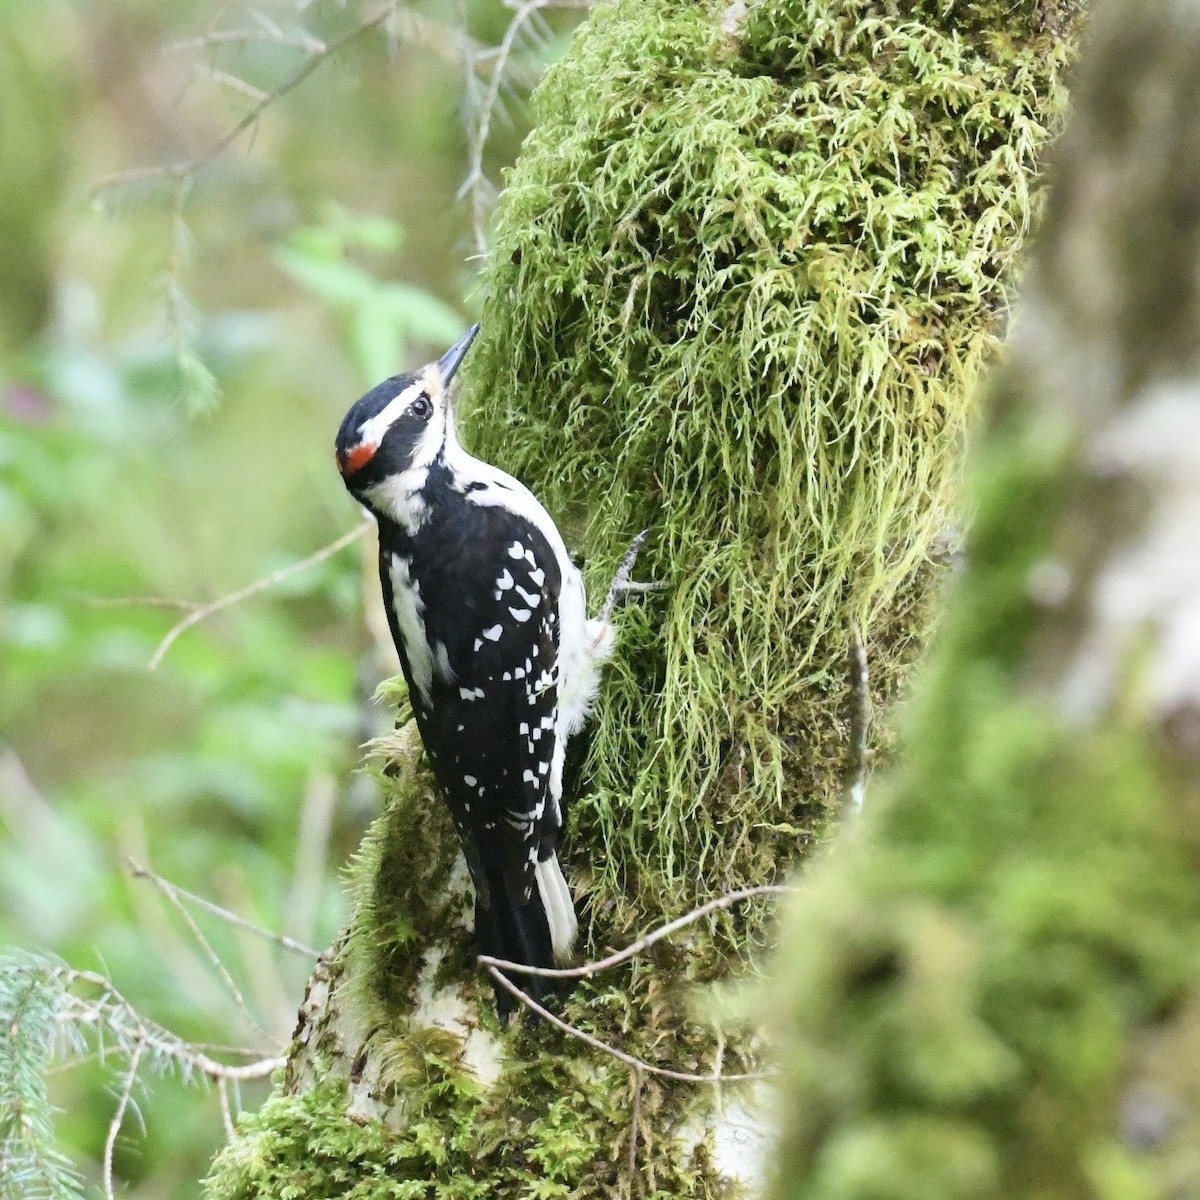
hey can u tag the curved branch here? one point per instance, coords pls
(642, 944)
(202, 611)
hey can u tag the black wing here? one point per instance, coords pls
(489, 590)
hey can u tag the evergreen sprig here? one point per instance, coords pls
(49, 1009)
(32, 1000)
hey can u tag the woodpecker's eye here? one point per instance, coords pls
(421, 407)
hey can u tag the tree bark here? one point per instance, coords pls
(992, 986)
(744, 277)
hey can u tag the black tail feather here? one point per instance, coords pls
(516, 931)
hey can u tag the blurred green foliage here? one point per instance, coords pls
(377, 317)
(316, 256)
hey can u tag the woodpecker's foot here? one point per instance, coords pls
(622, 585)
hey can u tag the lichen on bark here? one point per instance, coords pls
(744, 276)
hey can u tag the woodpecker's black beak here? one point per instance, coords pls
(449, 363)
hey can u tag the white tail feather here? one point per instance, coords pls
(560, 912)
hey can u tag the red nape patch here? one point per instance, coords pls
(358, 457)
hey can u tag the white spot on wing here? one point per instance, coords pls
(493, 634)
(520, 614)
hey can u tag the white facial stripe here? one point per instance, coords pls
(372, 431)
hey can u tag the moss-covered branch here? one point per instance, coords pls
(993, 993)
(745, 274)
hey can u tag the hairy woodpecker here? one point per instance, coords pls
(488, 614)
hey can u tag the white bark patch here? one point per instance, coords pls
(1147, 596)
(741, 1136)
(446, 1009)
(733, 18)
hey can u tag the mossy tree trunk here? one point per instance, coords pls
(745, 274)
(994, 991)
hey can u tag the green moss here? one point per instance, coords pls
(308, 1146)
(458, 1143)
(400, 885)
(740, 292)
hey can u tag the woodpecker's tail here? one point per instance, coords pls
(560, 911)
(538, 932)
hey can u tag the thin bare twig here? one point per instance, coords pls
(114, 1126)
(630, 1060)
(214, 959)
(141, 602)
(234, 82)
(499, 59)
(99, 1056)
(112, 1007)
(642, 944)
(173, 891)
(301, 40)
(202, 612)
(183, 171)
(476, 182)
(226, 1114)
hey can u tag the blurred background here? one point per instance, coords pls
(184, 320)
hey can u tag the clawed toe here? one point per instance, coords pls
(622, 586)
